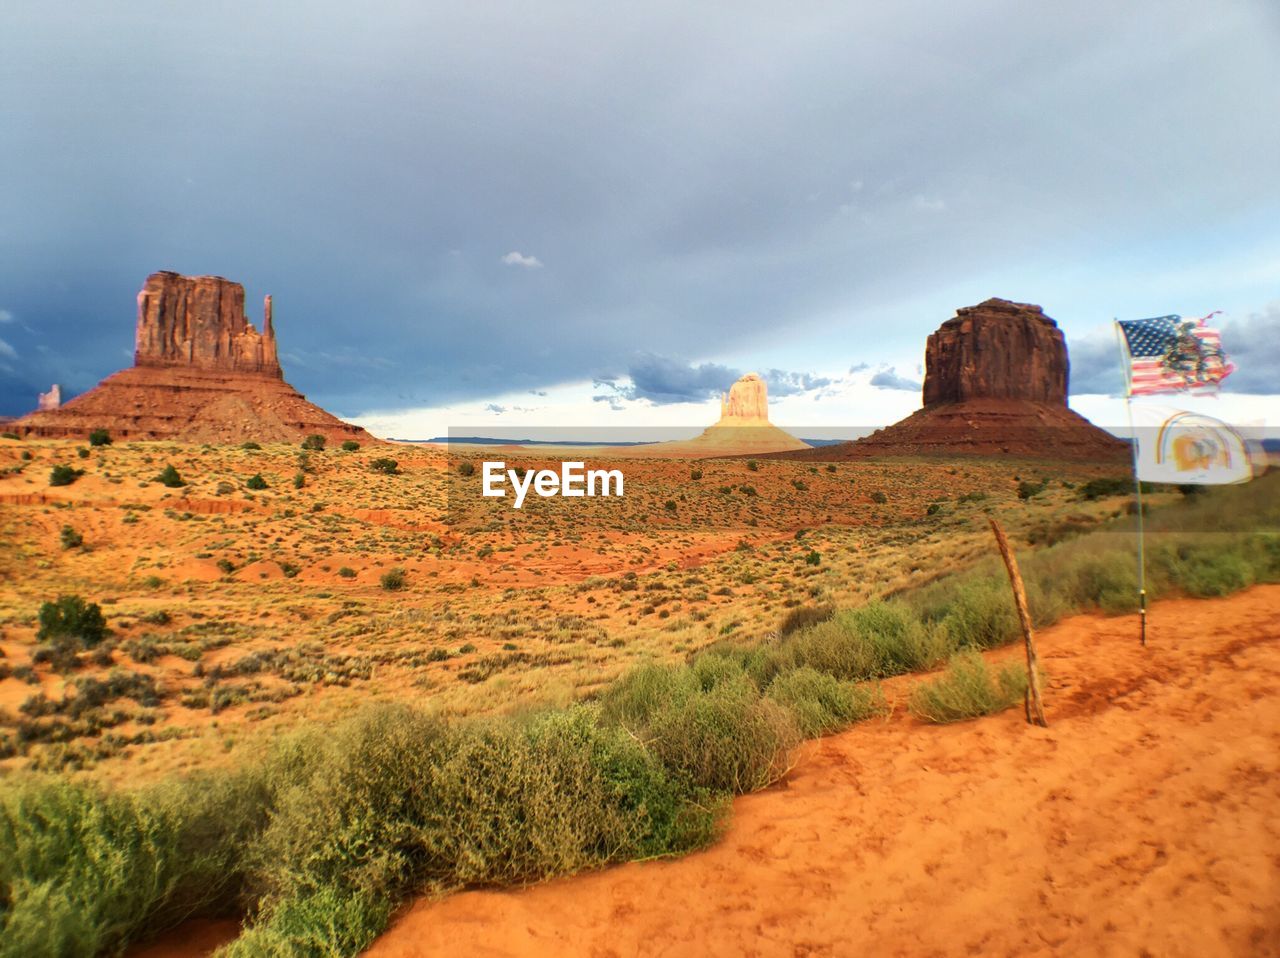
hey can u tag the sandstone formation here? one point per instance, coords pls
(747, 401)
(50, 400)
(995, 384)
(996, 350)
(198, 322)
(201, 373)
(742, 430)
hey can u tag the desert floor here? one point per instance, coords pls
(238, 613)
(1142, 822)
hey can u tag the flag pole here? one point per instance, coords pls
(1137, 484)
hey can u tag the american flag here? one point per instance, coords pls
(1170, 354)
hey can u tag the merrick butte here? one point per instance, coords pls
(573, 479)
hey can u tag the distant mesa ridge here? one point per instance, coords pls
(201, 373)
(996, 378)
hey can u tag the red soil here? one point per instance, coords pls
(1143, 821)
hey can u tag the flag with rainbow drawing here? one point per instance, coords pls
(1167, 354)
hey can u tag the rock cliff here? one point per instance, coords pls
(199, 322)
(995, 385)
(996, 350)
(201, 373)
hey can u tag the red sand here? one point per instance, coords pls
(1145, 820)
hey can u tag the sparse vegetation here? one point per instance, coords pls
(99, 437)
(70, 539)
(393, 579)
(63, 475)
(170, 477)
(967, 690)
(256, 482)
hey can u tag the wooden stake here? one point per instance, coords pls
(1034, 706)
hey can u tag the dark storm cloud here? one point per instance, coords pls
(452, 201)
(661, 380)
(889, 379)
(1252, 343)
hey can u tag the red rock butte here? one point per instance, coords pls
(201, 373)
(995, 383)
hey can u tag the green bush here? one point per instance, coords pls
(395, 802)
(393, 579)
(879, 498)
(821, 703)
(299, 480)
(753, 465)
(169, 477)
(695, 474)
(99, 437)
(256, 482)
(385, 466)
(726, 737)
(71, 618)
(803, 616)
(347, 572)
(967, 690)
(314, 443)
(83, 871)
(1027, 489)
(62, 475)
(350, 445)
(70, 539)
(466, 468)
(249, 446)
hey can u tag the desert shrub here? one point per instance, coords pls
(393, 579)
(726, 737)
(897, 639)
(299, 480)
(350, 445)
(803, 616)
(314, 443)
(813, 557)
(821, 703)
(9, 435)
(70, 539)
(695, 474)
(879, 639)
(1111, 486)
(249, 446)
(99, 437)
(84, 871)
(389, 467)
(64, 475)
(879, 498)
(256, 482)
(967, 690)
(395, 801)
(753, 465)
(347, 572)
(1028, 489)
(981, 615)
(71, 618)
(170, 477)
(466, 468)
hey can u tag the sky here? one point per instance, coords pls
(592, 214)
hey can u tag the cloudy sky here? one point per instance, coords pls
(476, 213)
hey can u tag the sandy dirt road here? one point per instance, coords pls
(1144, 821)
